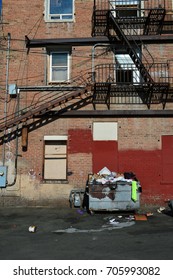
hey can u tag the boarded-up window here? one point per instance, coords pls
(55, 159)
(105, 131)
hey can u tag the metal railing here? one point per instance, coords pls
(142, 4)
(135, 11)
(137, 14)
(146, 57)
(122, 74)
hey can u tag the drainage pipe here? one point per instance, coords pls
(93, 56)
(6, 92)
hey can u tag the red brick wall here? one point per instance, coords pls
(80, 141)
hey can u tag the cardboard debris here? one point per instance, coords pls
(140, 217)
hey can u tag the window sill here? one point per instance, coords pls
(59, 83)
(54, 182)
(59, 20)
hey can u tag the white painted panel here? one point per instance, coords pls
(105, 131)
(55, 169)
(55, 137)
(56, 156)
(55, 149)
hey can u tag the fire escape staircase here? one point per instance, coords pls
(154, 21)
(101, 94)
(67, 101)
(148, 90)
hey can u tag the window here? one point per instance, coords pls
(124, 76)
(59, 10)
(59, 66)
(125, 8)
(55, 158)
(126, 71)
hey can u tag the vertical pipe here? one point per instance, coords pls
(6, 91)
(94, 5)
(93, 57)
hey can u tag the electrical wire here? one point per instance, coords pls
(38, 22)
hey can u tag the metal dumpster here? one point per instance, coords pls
(112, 197)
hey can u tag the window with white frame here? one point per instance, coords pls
(126, 70)
(125, 8)
(59, 10)
(59, 66)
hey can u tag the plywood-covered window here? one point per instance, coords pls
(105, 131)
(55, 157)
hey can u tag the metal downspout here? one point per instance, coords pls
(6, 92)
(17, 138)
(5, 112)
(93, 56)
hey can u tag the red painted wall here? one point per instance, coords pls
(105, 153)
(167, 158)
(147, 165)
(150, 167)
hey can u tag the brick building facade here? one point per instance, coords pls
(50, 143)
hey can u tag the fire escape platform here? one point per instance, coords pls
(135, 94)
(156, 17)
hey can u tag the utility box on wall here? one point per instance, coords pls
(12, 88)
(3, 176)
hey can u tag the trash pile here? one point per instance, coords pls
(32, 228)
(105, 176)
(161, 209)
(117, 220)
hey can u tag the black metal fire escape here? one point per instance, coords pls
(65, 101)
(154, 22)
(106, 23)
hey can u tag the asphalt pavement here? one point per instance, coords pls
(73, 234)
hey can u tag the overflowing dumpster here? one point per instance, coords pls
(110, 192)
